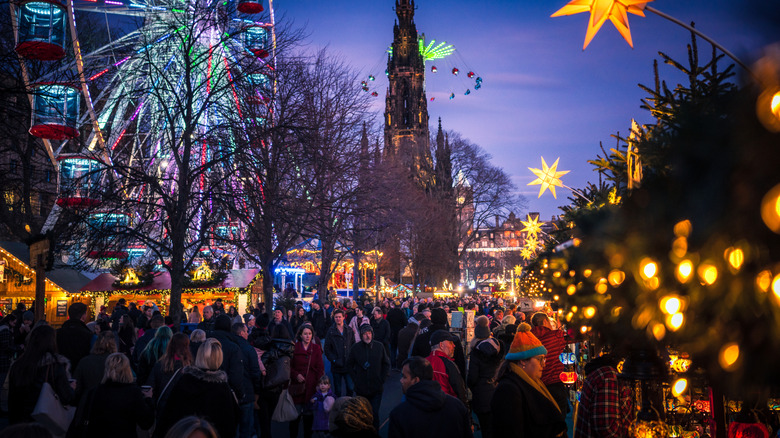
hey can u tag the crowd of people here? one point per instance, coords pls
(128, 372)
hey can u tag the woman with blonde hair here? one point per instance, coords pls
(192, 427)
(194, 317)
(117, 393)
(201, 390)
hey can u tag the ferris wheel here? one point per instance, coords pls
(103, 106)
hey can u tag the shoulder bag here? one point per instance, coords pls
(50, 412)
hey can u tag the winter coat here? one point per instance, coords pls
(233, 365)
(116, 316)
(207, 325)
(7, 348)
(422, 346)
(397, 320)
(74, 340)
(297, 321)
(141, 343)
(355, 324)
(447, 375)
(429, 412)
(381, 332)
(202, 393)
(89, 373)
(54, 369)
(159, 377)
(485, 359)
(369, 366)
(308, 363)
(521, 411)
(318, 409)
(405, 339)
(319, 322)
(252, 372)
(118, 408)
(337, 347)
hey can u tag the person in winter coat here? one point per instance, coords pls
(154, 350)
(486, 356)
(338, 341)
(177, 356)
(298, 319)
(207, 325)
(252, 372)
(427, 410)
(280, 326)
(7, 347)
(38, 364)
(74, 339)
(356, 321)
(369, 366)
(381, 328)
(90, 371)
(406, 338)
(202, 390)
(318, 319)
(116, 394)
(522, 406)
(397, 320)
(444, 370)
(120, 310)
(241, 375)
(554, 341)
(422, 343)
(606, 402)
(305, 372)
(155, 323)
(321, 404)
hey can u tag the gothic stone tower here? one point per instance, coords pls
(406, 110)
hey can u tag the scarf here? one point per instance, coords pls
(536, 384)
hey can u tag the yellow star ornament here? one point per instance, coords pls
(532, 226)
(548, 177)
(600, 10)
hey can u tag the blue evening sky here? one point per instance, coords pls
(542, 95)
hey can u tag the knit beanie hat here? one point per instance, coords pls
(439, 316)
(525, 345)
(481, 330)
(508, 319)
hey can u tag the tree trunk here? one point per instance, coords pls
(355, 273)
(268, 286)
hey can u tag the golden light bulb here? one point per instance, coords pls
(680, 246)
(770, 209)
(683, 228)
(574, 308)
(729, 354)
(775, 104)
(659, 331)
(670, 304)
(571, 289)
(648, 268)
(601, 287)
(708, 273)
(675, 321)
(764, 281)
(616, 277)
(586, 273)
(735, 257)
(589, 312)
(776, 286)
(679, 387)
(684, 271)
(584, 329)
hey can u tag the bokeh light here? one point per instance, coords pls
(729, 355)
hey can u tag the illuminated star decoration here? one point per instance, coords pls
(532, 226)
(526, 253)
(548, 177)
(601, 10)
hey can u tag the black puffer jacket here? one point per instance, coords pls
(485, 360)
(429, 412)
(369, 366)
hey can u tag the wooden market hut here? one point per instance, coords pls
(17, 283)
(239, 288)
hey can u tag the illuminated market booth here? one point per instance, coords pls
(17, 283)
(237, 287)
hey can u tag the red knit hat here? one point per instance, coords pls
(525, 345)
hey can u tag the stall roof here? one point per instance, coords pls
(238, 278)
(69, 279)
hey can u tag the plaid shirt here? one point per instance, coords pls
(605, 406)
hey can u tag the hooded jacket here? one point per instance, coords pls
(202, 393)
(429, 412)
(239, 375)
(483, 363)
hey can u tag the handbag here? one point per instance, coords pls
(50, 412)
(285, 408)
(299, 388)
(277, 373)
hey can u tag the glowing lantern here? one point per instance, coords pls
(455, 71)
(568, 377)
(681, 365)
(567, 358)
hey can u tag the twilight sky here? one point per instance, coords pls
(542, 95)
